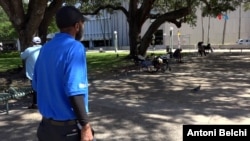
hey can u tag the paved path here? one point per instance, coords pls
(153, 107)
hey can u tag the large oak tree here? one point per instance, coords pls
(31, 18)
(172, 11)
(36, 17)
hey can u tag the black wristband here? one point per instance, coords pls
(83, 122)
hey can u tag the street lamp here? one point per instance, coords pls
(115, 41)
(171, 40)
(179, 39)
(165, 42)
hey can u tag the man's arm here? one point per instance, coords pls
(79, 108)
(80, 111)
(24, 54)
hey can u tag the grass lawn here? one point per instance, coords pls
(9, 61)
(97, 62)
(102, 62)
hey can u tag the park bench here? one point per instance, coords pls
(4, 98)
(13, 93)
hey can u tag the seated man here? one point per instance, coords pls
(177, 55)
(208, 47)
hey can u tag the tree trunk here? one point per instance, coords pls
(202, 29)
(146, 40)
(43, 31)
(134, 28)
(134, 39)
(25, 22)
(48, 17)
(208, 30)
(224, 31)
(239, 32)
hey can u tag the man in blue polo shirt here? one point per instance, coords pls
(60, 79)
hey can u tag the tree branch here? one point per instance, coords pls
(144, 10)
(172, 16)
(107, 7)
(48, 17)
(167, 17)
(14, 11)
(35, 14)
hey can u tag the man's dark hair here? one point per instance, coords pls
(68, 16)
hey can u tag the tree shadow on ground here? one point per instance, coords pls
(13, 77)
(140, 105)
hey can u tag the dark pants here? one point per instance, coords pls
(177, 54)
(34, 99)
(50, 130)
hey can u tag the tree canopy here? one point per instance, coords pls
(38, 14)
(246, 6)
(6, 29)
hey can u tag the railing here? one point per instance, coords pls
(14, 93)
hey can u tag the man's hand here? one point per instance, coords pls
(86, 133)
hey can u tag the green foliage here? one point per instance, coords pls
(52, 27)
(88, 7)
(12, 54)
(246, 6)
(191, 19)
(212, 8)
(215, 7)
(9, 61)
(7, 31)
(209, 8)
(164, 6)
(170, 5)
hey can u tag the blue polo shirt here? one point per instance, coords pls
(60, 72)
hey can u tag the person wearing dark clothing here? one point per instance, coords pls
(208, 47)
(177, 55)
(201, 49)
(60, 79)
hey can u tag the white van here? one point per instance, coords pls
(243, 42)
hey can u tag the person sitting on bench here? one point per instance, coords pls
(208, 47)
(177, 55)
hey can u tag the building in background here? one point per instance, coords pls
(99, 30)
(223, 29)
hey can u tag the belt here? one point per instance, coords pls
(59, 123)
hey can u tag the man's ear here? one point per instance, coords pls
(77, 27)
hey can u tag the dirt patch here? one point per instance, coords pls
(13, 78)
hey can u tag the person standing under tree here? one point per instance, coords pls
(30, 55)
(60, 79)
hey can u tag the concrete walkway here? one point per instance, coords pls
(153, 107)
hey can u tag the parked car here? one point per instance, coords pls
(243, 42)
